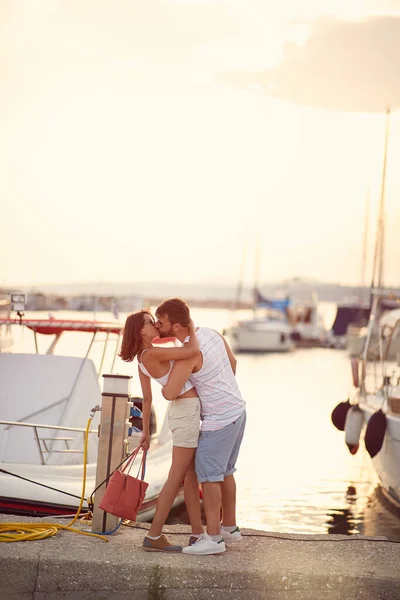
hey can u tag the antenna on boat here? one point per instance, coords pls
(239, 287)
(18, 301)
(377, 270)
(365, 244)
(257, 263)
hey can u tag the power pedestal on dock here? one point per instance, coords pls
(113, 442)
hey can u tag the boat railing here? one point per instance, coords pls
(42, 442)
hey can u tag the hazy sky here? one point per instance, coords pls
(148, 139)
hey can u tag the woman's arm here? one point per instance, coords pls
(190, 350)
(179, 375)
(146, 408)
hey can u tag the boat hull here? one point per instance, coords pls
(63, 489)
(31, 508)
(260, 337)
(387, 462)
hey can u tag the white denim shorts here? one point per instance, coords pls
(184, 422)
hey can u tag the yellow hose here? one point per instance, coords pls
(23, 532)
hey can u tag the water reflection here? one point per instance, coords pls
(344, 521)
(380, 517)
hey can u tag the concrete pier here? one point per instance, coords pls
(264, 565)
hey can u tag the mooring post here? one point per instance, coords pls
(113, 440)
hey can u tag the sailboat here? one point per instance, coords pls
(376, 375)
(268, 330)
(349, 326)
(357, 333)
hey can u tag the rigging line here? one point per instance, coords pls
(37, 483)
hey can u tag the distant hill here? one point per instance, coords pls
(301, 289)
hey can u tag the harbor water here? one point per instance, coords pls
(295, 473)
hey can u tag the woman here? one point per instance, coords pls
(183, 419)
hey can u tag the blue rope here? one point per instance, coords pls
(107, 532)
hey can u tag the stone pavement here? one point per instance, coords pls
(263, 565)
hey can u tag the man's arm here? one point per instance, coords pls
(230, 354)
(179, 375)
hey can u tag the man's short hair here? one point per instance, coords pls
(176, 310)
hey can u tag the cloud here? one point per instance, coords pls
(343, 66)
(383, 6)
(71, 31)
(51, 50)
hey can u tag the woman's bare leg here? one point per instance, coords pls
(181, 459)
(192, 499)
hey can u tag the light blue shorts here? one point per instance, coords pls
(217, 452)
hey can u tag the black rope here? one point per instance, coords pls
(49, 487)
(41, 484)
(283, 537)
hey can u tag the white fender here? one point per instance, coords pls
(353, 427)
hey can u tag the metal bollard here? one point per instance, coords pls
(113, 440)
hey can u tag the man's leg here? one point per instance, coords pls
(212, 506)
(210, 467)
(228, 499)
(229, 531)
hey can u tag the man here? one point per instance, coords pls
(223, 415)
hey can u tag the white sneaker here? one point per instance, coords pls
(231, 536)
(205, 545)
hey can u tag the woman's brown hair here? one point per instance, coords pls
(132, 339)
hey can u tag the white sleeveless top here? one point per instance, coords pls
(220, 397)
(164, 379)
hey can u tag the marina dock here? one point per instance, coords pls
(264, 565)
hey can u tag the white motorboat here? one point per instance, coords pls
(279, 324)
(45, 403)
(379, 389)
(308, 325)
(267, 331)
(261, 334)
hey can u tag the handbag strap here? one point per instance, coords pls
(142, 465)
(130, 460)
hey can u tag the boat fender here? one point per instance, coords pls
(353, 427)
(375, 433)
(338, 416)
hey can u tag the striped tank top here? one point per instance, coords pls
(220, 397)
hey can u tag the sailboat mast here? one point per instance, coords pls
(382, 205)
(239, 286)
(257, 266)
(365, 244)
(377, 273)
